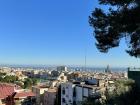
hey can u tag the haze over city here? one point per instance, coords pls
(55, 33)
(69, 52)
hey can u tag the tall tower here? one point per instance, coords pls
(107, 70)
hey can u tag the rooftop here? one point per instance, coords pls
(41, 86)
(6, 90)
(12, 90)
(52, 90)
(24, 94)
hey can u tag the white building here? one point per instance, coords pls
(82, 92)
(67, 94)
(62, 69)
(74, 94)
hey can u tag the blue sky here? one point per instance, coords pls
(53, 32)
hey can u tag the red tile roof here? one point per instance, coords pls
(6, 90)
(24, 94)
(9, 90)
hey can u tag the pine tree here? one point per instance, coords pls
(121, 20)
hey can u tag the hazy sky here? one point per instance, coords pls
(53, 32)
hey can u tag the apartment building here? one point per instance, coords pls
(74, 94)
(39, 91)
(50, 97)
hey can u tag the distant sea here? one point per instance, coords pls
(100, 69)
(71, 68)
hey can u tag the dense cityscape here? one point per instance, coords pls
(69, 52)
(60, 85)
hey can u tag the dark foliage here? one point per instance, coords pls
(28, 82)
(122, 20)
(91, 101)
(8, 78)
(131, 97)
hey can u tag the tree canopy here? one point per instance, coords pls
(126, 93)
(30, 82)
(121, 20)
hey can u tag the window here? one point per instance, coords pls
(74, 102)
(74, 92)
(63, 100)
(63, 91)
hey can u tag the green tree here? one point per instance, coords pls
(34, 81)
(121, 20)
(123, 95)
(9, 79)
(2, 74)
(91, 101)
(27, 83)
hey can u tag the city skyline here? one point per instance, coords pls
(55, 33)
